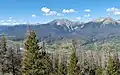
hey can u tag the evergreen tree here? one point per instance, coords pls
(45, 64)
(18, 60)
(62, 68)
(85, 65)
(3, 57)
(55, 62)
(12, 64)
(35, 62)
(30, 55)
(112, 68)
(14, 61)
(92, 65)
(72, 65)
(99, 71)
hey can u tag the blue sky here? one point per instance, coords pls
(23, 11)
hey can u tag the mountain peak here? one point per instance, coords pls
(61, 22)
(106, 20)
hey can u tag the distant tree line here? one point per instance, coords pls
(35, 60)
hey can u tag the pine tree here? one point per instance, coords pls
(18, 60)
(72, 65)
(85, 65)
(46, 62)
(55, 62)
(12, 64)
(30, 55)
(3, 58)
(92, 66)
(35, 61)
(112, 68)
(99, 71)
(62, 68)
(14, 61)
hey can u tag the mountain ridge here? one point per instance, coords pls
(99, 28)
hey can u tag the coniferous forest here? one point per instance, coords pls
(59, 37)
(36, 60)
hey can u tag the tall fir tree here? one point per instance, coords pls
(99, 71)
(12, 64)
(18, 56)
(112, 66)
(62, 68)
(55, 62)
(14, 61)
(72, 65)
(35, 61)
(30, 55)
(3, 55)
(45, 62)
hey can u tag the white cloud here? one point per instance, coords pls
(24, 22)
(87, 10)
(45, 9)
(90, 19)
(53, 13)
(11, 22)
(10, 18)
(78, 18)
(87, 15)
(14, 22)
(59, 14)
(113, 10)
(49, 12)
(34, 15)
(4, 23)
(68, 11)
(1, 20)
(117, 13)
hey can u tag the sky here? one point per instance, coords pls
(43, 11)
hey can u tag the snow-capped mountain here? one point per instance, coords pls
(64, 23)
(101, 27)
(106, 20)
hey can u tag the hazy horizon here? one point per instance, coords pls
(36, 11)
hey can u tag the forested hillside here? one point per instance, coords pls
(67, 57)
